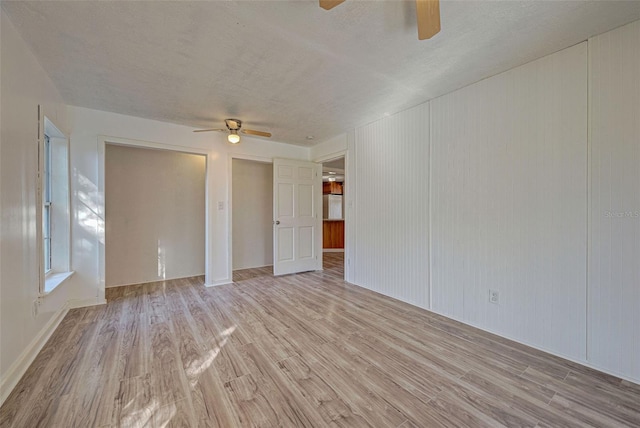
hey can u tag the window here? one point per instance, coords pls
(46, 199)
(56, 225)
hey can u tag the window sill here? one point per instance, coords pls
(52, 281)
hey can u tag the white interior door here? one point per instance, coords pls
(297, 216)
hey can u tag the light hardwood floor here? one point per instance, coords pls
(299, 350)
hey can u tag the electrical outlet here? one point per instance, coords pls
(35, 307)
(220, 205)
(494, 296)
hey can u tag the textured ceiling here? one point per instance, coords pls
(289, 67)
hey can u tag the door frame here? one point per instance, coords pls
(348, 205)
(103, 140)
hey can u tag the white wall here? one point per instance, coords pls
(252, 205)
(509, 191)
(614, 259)
(329, 149)
(389, 182)
(155, 215)
(24, 85)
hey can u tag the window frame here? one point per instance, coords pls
(54, 197)
(47, 212)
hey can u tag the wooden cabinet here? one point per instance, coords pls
(332, 187)
(333, 234)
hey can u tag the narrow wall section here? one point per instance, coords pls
(390, 182)
(252, 206)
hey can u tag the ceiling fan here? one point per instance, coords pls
(427, 11)
(234, 126)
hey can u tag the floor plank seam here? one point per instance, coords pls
(551, 399)
(403, 423)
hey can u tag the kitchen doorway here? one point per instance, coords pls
(333, 215)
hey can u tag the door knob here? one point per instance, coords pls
(277, 222)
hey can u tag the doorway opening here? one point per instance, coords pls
(333, 215)
(251, 218)
(155, 210)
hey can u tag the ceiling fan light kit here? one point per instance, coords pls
(233, 138)
(427, 13)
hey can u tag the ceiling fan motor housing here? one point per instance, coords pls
(233, 124)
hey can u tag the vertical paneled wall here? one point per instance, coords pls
(390, 183)
(509, 197)
(498, 186)
(614, 259)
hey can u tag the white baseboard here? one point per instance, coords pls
(219, 282)
(20, 366)
(252, 267)
(584, 363)
(83, 303)
(150, 281)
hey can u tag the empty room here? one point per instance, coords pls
(313, 213)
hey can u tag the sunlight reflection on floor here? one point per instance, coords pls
(145, 411)
(196, 367)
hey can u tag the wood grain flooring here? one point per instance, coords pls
(306, 350)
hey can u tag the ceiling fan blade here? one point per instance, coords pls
(330, 4)
(258, 133)
(428, 13)
(208, 130)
